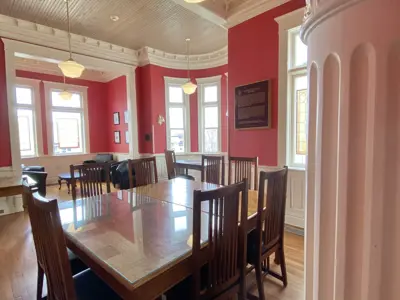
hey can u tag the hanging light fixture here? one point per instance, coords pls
(65, 95)
(194, 1)
(189, 87)
(70, 68)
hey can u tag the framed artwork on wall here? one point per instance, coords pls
(116, 118)
(126, 117)
(253, 105)
(117, 137)
(127, 136)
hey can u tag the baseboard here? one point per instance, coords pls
(294, 230)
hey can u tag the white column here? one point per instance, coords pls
(132, 109)
(353, 189)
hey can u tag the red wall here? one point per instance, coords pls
(116, 102)
(151, 89)
(253, 56)
(97, 108)
(5, 148)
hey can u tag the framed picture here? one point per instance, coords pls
(127, 136)
(117, 137)
(126, 117)
(116, 118)
(253, 105)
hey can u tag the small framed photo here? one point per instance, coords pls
(116, 118)
(127, 136)
(117, 137)
(126, 117)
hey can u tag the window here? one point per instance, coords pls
(210, 114)
(297, 100)
(28, 114)
(68, 128)
(177, 108)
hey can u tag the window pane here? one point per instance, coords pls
(211, 117)
(211, 140)
(67, 132)
(301, 106)
(57, 101)
(26, 132)
(175, 94)
(176, 117)
(300, 52)
(211, 94)
(178, 140)
(24, 95)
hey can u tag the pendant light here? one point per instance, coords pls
(65, 95)
(194, 1)
(70, 68)
(189, 88)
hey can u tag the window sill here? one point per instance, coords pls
(300, 169)
(56, 156)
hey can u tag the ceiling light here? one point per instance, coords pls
(65, 95)
(70, 68)
(114, 18)
(194, 1)
(189, 87)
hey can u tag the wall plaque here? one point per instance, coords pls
(253, 105)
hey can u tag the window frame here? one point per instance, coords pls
(32, 84)
(82, 90)
(201, 104)
(177, 82)
(292, 72)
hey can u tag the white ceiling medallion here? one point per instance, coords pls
(189, 87)
(114, 18)
(70, 68)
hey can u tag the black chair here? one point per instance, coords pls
(120, 175)
(38, 174)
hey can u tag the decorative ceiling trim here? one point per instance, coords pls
(251, 9)
(160, 58)
(37, 34)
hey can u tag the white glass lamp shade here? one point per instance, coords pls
(71, 68)
(194, 1)
(65, 95)
(189, 88)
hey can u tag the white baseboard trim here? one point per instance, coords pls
(294, 221)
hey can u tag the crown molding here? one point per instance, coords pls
(290, 20)
(251, 9)
(37, 34)
(160, 58)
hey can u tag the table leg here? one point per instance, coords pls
(68, 184)
(59, 182)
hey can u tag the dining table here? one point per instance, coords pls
(139, 241)
(188, 164)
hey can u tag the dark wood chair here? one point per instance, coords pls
(242, 169)
(213, 169)
(267, 238)
(145, 170)
(52, 256)
(170, 160)
(90, 179)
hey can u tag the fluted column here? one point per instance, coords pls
(353, 189)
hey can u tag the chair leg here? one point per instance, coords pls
(259, 278)
(283, 266)
(39, 283)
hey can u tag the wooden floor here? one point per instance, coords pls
(18, 260)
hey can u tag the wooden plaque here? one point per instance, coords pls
(253, 105)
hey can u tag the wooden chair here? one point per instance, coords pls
(243, 166)
(90, 179)
(52, 256)
(76, 264)
(170, 160)
(267, 238)
(145, 170)
(213, 169)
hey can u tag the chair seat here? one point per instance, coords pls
(252, 247)
(77, 266)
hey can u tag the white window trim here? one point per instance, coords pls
(286, 23)
(34, 84)
(203, 82)
(186, 104)
(48, 87)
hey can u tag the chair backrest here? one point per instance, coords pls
(225, 251)
(170, 160)
(271, 215)
(213, 170)
(90, 179)
(145, 170)
(242, 169)
(51, 249)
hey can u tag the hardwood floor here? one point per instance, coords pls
(18, 269)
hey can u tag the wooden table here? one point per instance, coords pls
(67, 178)
(188, 165)
(138, 244)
